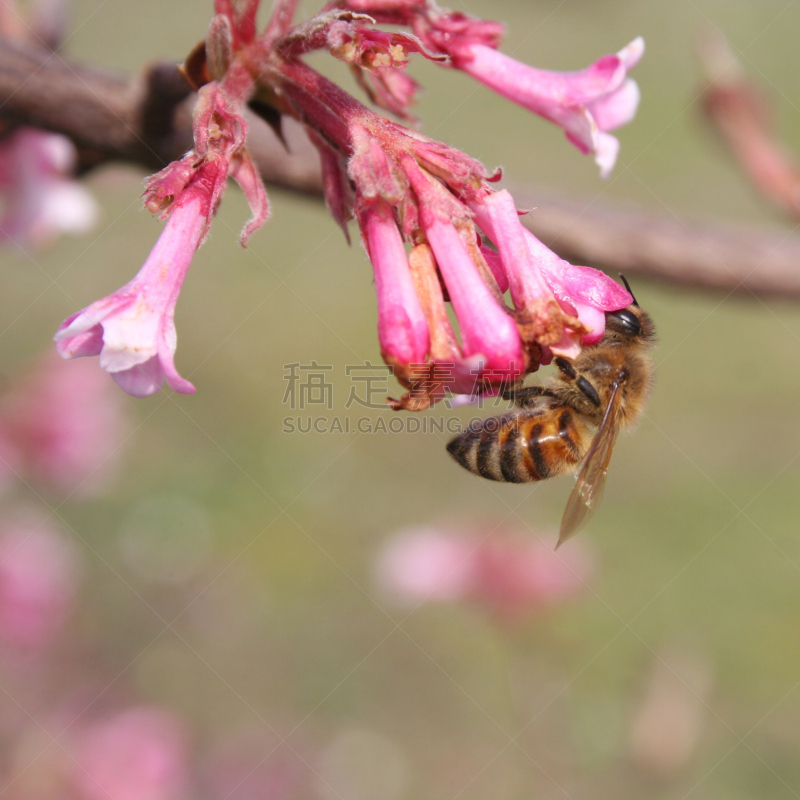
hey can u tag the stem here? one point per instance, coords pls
(322, 104)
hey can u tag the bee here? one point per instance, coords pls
(570, 422)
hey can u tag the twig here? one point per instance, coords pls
(703, 255)
(141, 119)
(742, 114)
(145, 120)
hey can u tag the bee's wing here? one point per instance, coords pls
(591, 479)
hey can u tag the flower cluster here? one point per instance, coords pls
(433, 226)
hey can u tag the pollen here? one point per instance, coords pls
(398, 54)
(379, 60)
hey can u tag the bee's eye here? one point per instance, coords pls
(630, 322)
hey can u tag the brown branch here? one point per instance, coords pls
(145, 120)
(140, 120)
(719, 256)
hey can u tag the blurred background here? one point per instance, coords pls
(213, 607)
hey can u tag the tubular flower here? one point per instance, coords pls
(432, 225)
(133, 329)
(586, 104)
(416, 183)
(402, 327)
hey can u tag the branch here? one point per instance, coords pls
(742, 113)
(719, 256)
(146, 120)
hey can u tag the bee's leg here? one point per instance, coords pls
(581, 382)
(522, 395)
(565, 367)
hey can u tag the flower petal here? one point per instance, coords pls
(593, 318)
(606, 152)
(89, 343)
(142, 380)
(486, 328)
(92, 315)
(540, 89)
(402, 327)
(618, 108)
(167, 344)
(67, 207)
(632, 53)
(578, 284)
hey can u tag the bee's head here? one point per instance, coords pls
(629, 324)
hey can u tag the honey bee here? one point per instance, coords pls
(571, 420)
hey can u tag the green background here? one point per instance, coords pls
(257, 604)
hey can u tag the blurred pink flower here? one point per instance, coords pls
(505, 573)
(62, 425)
(38, 578)
(139, 754)
(41, 200)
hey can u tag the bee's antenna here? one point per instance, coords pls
(628, 287)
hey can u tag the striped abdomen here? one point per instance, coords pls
(528, 445)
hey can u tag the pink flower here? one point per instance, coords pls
(498, 218)
(38, 576)
(402, 327)
(9, 456)
(425, 564)
(487, 329)
(242, 15)
(507, 574)
(407, 188)
(41, 199)
(587, 290)
(427, 212)
(133, 330)
(63, 426)
(139, 754)
(585, 104)
(378, 59)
